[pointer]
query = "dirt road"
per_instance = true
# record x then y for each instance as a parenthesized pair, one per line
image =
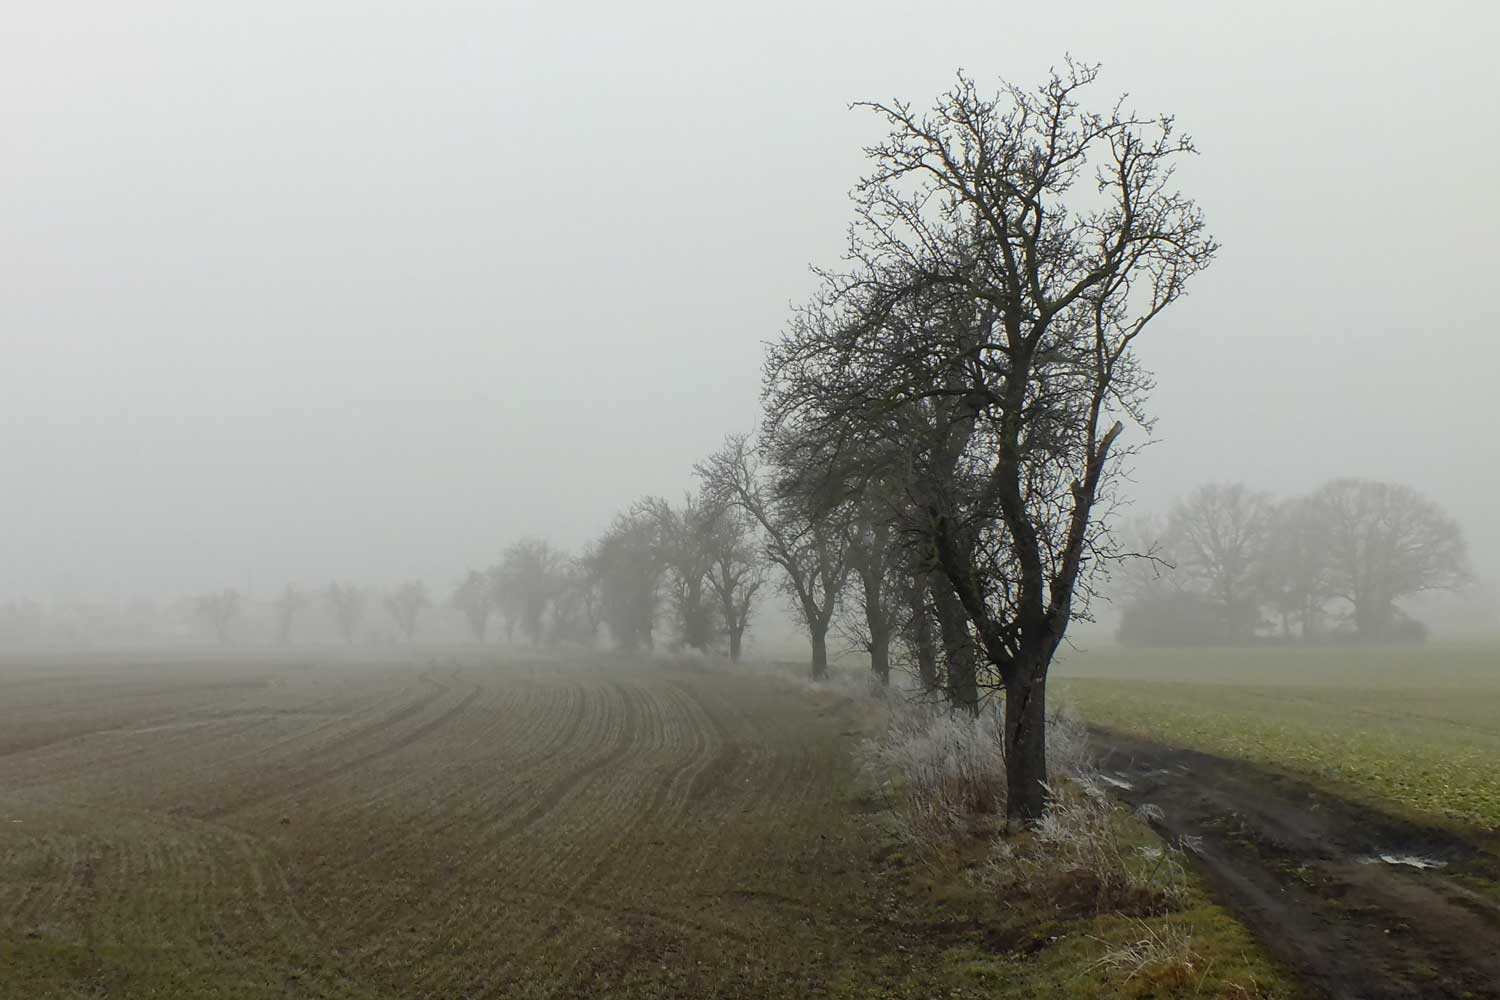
(1313, 876)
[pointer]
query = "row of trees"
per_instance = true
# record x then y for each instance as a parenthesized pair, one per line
(695, 566)
(345, 602)
(1230, 563)
(1227, 563)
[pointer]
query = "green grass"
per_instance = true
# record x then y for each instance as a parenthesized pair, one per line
(1415, 728)
(1223, 961)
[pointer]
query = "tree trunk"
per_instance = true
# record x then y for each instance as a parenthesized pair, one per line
(735, 633)
(695, 618)
(819, 636)
(923, 647)
(879, 628)
(960, 660)
(880, 656)
(1026, 746)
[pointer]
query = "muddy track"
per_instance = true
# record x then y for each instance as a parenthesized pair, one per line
(1303, 869)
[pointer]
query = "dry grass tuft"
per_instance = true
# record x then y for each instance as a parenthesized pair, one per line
(945, 770)
(1085, 857)
(1162, 959)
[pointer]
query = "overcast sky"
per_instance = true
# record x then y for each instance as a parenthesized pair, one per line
(295, 290)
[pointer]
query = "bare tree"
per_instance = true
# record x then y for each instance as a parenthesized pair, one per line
(873, 562)
(1050, 288)
(1220, 535)
(808, 543)
(1298, 584)
(505, 600)
(837, 376)
(219, 608)
(524, 582)
(348, 602)
(405, 604)
(288, 606)
(476, 599)
(1387, 541)
(630, 562)
(685, 537)
(577, 609)
(1159, 604)
(917, 630)
(736, 573)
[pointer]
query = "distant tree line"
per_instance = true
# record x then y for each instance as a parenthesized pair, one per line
(1232, 564)
(682, 576)
(344, 602)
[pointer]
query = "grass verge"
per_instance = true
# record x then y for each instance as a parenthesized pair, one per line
(1090, 904)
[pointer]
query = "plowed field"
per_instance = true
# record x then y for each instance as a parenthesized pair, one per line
(442, 827)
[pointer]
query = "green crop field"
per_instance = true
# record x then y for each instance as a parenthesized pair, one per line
(1410, 728)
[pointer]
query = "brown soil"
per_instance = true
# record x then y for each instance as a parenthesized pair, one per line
(456, 827)
(1295, 864)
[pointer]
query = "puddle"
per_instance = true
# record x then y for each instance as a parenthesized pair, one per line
(1409, 860)
(1151, 812)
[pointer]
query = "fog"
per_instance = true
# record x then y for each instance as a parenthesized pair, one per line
(296, 291)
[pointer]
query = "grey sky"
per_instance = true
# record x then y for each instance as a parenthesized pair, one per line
(302, 289)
